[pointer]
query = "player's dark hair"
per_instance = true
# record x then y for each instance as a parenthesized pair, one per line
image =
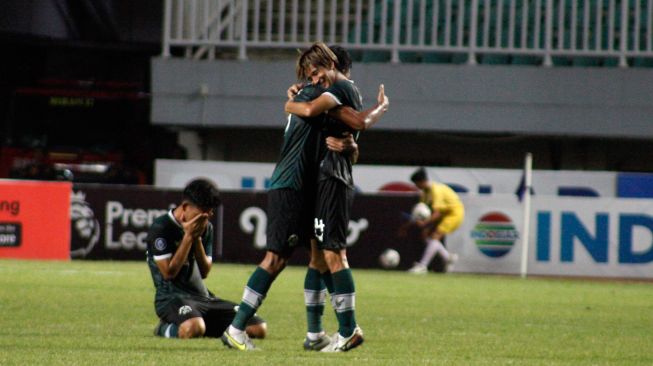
(202, 193)
(344, 59)
(419, 175)
(318, 55)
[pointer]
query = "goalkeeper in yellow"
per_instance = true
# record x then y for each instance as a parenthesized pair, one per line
(447, 213)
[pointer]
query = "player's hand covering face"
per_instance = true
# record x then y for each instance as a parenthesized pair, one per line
(195, 221)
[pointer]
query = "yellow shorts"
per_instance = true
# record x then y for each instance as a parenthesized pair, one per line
(450, 221)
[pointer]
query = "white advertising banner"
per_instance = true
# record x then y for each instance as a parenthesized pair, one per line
(489, 240)
(606, 237)
(594, 237)
(380, 178)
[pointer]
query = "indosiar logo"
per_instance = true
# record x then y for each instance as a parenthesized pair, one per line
(495, 234)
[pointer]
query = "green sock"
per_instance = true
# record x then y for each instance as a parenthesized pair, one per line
(168, 330)
(314, 297)
(345, 301)
(257, 288)
(327, 279)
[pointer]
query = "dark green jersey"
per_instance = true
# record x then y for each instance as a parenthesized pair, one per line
(163, 238)
(333, 164)
(298, 158)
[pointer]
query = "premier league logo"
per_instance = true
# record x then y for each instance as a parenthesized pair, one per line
(85, 227)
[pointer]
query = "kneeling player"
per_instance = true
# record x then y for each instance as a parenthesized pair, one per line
(177, 247)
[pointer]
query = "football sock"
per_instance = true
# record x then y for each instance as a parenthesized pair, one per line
(433, 247)
(168, 330)
(345, 301)
(314, 336)
(314, 298)
(328, 282)
(257, 287)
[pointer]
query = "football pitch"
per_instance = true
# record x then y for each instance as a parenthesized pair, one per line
(101, 313)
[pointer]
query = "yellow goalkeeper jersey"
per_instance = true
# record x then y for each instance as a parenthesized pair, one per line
(442, 198)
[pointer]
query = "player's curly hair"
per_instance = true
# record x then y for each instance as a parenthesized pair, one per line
(318, 55)
(202, 193)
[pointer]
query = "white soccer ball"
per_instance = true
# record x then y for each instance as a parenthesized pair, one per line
(421, 211)
(389, 258)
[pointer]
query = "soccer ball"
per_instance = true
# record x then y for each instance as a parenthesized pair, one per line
(420, 212)
(389, 258)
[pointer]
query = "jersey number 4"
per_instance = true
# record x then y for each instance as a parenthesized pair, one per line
(319, 229)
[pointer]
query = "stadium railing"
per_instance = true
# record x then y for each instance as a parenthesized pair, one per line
(547, 32)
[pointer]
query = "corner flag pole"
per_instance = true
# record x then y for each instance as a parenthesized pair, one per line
(528, 175)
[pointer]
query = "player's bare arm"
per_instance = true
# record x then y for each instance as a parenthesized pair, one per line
(313, 108)
(352, 118)
(193, 228)
(203, 260)
(363, 120)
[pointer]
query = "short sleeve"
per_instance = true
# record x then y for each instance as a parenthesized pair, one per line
(161, 245)
(340, 92)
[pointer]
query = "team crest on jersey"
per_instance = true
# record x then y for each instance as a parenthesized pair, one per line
(185, 310)
(160, 244)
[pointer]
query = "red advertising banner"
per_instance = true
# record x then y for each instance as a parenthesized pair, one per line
(35, 219)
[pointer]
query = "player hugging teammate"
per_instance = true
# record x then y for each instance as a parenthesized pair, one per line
(332, 203)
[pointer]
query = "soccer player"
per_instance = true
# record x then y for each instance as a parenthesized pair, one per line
(179, 247)
(335, 182)
(318, 277)
(291, 202)
(447, 213)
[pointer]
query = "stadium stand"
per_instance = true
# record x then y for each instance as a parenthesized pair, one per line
(530, 32)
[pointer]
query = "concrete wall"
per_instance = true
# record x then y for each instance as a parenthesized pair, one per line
(591, 102)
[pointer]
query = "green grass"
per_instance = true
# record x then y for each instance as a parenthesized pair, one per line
(100, 313)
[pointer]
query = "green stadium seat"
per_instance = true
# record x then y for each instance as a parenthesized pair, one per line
(643, 62)
(437, 58)
(494, 59)
(375, 56)
(413, 36)
(526, 60)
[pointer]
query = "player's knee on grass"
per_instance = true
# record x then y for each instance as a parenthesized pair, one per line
(192, 328)
(273, 263)
(257, 330)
